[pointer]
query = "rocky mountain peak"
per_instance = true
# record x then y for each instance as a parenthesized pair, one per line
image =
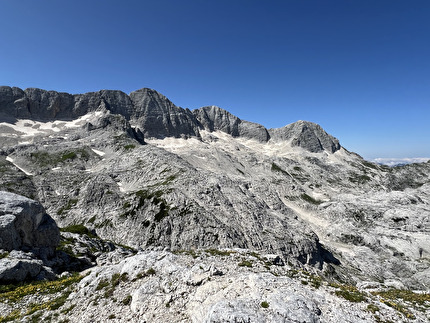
(155, 115)
(307, 135)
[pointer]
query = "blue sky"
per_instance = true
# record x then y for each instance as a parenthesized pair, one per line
(359, 68)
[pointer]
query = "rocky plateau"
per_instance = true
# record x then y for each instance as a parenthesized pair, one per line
(126, 208)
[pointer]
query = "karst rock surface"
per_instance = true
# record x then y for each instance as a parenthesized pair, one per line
(141, 172)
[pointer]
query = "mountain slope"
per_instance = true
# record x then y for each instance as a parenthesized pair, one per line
(145, 173)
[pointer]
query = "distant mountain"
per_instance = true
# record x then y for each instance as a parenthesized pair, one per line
(201, 216)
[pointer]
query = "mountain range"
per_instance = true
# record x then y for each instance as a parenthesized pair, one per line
(201, 216)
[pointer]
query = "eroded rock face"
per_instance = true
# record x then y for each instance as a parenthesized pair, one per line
(25, 225)
(155, 115)
(307, 135)
(213, 118)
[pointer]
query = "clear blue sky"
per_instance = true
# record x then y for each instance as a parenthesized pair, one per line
(359, 68)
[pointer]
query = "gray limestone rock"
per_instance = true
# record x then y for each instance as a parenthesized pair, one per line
(158, 117)
(12, 103)
(213, 118)
(307, 135)
(25, 225)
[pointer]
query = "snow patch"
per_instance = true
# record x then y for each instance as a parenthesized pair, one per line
(9, 159)
(30, 128)
(98, 152)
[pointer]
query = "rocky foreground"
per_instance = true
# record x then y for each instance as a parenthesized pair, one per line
(119, 207)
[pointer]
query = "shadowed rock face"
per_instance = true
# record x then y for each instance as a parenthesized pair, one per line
(159, 117)
(155, 115)
(25, 225)
(213, 118)
(307, 135)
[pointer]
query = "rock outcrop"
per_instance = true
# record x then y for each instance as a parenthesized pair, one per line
(307, 135)
(28, 236)
(230, 221)
(24, 225)
(155, 116)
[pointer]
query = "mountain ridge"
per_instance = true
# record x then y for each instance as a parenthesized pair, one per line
(156, 116)
(205, 215)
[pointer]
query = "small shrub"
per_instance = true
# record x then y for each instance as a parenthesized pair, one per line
(350, 293)
(111, 317)
(127, 300)
(129, 147)
(276, 168)
(102, 284)
(245, 263)
(372, 308)
(71, 203)
(150, 272)
(216, 252)
(79, 229)
(264, 304)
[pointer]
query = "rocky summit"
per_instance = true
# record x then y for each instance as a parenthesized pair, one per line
(124, 207)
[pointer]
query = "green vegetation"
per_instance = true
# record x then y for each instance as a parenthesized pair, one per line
(109, 286)
(369, 164)
(79, 229)
(216, 252)
(189, 252)
(71, 203)
(422, 299)
(372, 308)
(16, 292)
(105, 223)
(245, 263)
(150, 272)
(359, 179)
(276, 168)
(44, 158)
(310, 199)
(129, 147)
(394, 297)
(127, 300)
(264, 304)
(4, 255)
(349, 292)
(141, 197)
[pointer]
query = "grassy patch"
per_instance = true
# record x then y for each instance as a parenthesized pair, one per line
(245, 263)
(349, 292)
(129, 147)
(4, 255)
(143, 196)
(79, 229)
(150, 272)
(372, 308)
(16, 292)
(71, 203)
(276, 168)
(216, 252)
(44, 159)
(190, 252)
(394, 298)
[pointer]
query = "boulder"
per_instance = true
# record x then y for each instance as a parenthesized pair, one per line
(25, 225)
